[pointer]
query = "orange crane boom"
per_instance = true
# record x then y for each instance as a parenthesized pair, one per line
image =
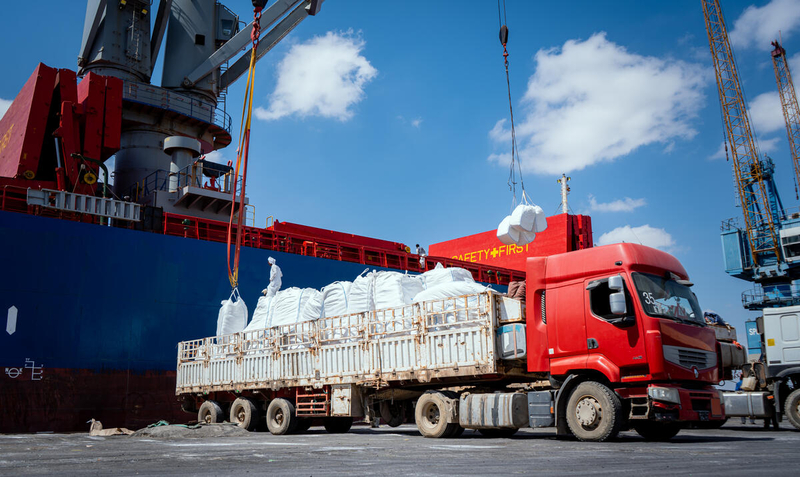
(791, 112)
(760, 224)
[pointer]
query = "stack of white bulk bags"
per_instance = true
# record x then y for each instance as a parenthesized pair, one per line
(232, 316)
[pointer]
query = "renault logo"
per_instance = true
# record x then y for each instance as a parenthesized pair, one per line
(696, 373)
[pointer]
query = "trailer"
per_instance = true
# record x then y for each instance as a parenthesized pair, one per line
(770, 386)
(480, 361)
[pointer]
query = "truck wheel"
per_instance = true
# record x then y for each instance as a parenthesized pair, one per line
(338, 425)
(594, 412)
(792, 408)
(393, 413)
(498, 432)
(280, 417)
(303, 424)
(430, 416)
(657, 431)
(244, 413)
(210, 412)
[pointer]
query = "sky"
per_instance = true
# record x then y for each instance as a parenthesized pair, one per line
(391, 119)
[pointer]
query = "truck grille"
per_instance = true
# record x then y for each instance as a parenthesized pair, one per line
(690, 357)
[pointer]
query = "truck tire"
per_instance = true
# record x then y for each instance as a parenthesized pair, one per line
(430, 418)
(498, 432)
(210, 412)
(791, 408)
(657, 431)
(393, 413)
(338, 425)
(594, 412)
(244, 413)
(280, 417)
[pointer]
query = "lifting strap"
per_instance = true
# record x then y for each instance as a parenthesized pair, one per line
(242, 155)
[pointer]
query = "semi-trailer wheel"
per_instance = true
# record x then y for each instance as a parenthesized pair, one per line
(498, 432)
(430, 416)
(244, 413)
(210, 412)
(280, 416)
(657, 431)
(792, 408)
(594, 412)
(393, 413)
(338, 425)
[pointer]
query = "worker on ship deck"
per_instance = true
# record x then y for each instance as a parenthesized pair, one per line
(275, 275)
(422, 254)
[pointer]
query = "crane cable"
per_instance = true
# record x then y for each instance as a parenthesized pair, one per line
(512, 183)
(242, 155)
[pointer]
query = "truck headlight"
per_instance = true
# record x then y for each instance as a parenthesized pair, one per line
(664, 394)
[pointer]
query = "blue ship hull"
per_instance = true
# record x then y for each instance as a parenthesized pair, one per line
(100, 310)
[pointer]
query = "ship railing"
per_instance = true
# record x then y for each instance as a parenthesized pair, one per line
(179, 103)
(192, 175)
(300, 244)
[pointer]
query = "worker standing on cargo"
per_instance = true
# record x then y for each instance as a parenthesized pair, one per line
(422, 254)
(275, 275)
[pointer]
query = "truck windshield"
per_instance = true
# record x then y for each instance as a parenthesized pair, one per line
(666, 298)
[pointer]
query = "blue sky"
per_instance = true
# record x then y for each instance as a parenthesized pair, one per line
(403, 132)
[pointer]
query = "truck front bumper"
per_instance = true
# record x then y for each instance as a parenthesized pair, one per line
(674, 403)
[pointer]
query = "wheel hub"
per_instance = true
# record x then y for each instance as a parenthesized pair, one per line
(587, 411)
(433, 415)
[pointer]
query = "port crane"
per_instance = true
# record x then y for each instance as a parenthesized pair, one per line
(762, 251)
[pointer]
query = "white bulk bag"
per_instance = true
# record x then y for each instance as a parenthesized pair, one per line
(360, 299)
(523, 218)
(505, 233)
(261, 314)
(394, 289)
(440, 275)
(232, 316)
(335, 299)
(288, 305)
(441, 299)
(312, 310)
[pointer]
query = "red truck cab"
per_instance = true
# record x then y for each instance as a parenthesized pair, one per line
(654, 352)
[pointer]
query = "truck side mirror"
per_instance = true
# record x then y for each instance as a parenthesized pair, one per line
(616, 300)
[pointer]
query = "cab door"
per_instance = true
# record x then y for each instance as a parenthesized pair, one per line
(566, 328)
(613, 341)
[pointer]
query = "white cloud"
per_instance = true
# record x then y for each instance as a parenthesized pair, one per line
(593, 101)
(620, 205)
(324, 76)
(216, 156)
(766, 113)
(645, 235)
(4, 105)
(759, 26)
(416, 122)
(720, 154)
(768, 145)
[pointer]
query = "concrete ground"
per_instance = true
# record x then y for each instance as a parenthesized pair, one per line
(733, 450)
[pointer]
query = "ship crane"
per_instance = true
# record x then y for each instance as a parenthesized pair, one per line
(756, 253)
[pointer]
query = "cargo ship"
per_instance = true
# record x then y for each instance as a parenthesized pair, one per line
(101, 282)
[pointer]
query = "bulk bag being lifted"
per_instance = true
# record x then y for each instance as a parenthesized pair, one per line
(232, 316)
